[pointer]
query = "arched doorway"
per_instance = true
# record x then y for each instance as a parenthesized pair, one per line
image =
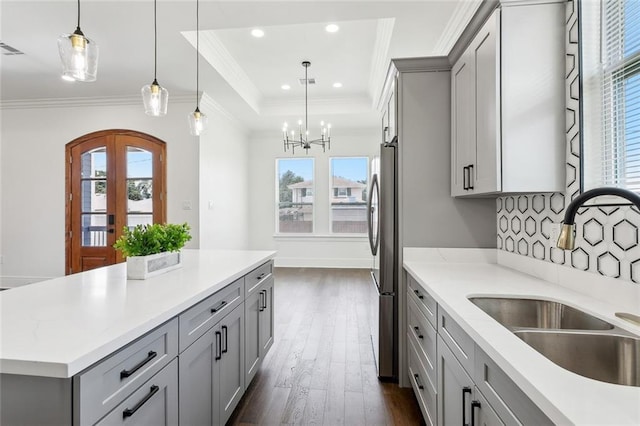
(114, 178)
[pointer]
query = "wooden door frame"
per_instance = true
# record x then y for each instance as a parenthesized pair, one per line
(160, 196)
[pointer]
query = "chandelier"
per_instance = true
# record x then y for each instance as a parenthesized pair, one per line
(303, 141)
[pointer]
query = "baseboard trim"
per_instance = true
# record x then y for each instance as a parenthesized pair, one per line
(296, 262)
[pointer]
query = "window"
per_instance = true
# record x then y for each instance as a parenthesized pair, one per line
(349, 187)
(295, 195)
(611, 93)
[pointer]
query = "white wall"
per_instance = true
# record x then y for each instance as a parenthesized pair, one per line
(32, 176)
(224, 180)
(321, 250)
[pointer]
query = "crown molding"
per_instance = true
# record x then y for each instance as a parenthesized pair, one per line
(461, 16)
(209, 107)
(379, 61)
(319, 106)
(85, 102)
(483, 12)
(216, 54)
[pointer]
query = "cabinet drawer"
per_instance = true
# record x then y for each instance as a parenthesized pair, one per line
(256, 277)
(424, 337)
(154, 403)
(462, 346)
(195, 321)
(427, 304)
(424, 390)
(506, 398)
(102, 387)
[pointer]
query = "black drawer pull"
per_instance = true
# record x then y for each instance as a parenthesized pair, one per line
(224, 348)
(465, 390)
(417, 331)
(217, 308)
(131, 411)
(261, 276)
(418, 294)
(126, 373)
(418, 381)
(474, 405)
(218, 345)
(470, 168)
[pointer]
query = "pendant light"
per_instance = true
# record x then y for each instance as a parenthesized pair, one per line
(79, 55)
(154, 96)
(197, 120)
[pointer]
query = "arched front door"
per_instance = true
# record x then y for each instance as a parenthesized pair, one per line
(114, 178)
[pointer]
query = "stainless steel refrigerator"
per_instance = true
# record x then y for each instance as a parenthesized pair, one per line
(383, 240)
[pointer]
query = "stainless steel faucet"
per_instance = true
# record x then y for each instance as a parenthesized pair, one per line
(566, 241)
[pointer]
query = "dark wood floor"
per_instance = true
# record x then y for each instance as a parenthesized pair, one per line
(320, 369)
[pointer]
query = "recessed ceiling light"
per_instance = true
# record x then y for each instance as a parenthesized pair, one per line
(257, 32)
(337, 85)
(285, 87)
(332, 28)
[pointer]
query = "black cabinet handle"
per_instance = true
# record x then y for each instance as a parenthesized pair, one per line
(126, 373)
(265, 299)
(261, 303)
(224, 332)
(465, 390)
(418, 294)
(217, 308)
(218, 345)
(417, 331)
(131, 411)
(417, 377)
(464, 178)
(470, 171)
(261, 276)
(474, 405)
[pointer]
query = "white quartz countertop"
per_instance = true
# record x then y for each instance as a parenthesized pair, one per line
(59, 327)
(565, 397)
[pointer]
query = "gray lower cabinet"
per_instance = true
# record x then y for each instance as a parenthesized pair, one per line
(212, 373)
(469, 387)
(258, 326)
(154, 403)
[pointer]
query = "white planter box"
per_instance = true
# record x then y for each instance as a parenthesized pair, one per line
(143, 267)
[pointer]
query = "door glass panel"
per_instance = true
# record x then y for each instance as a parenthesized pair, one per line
(139, 163)
(94, 163)
(139, 219)
(94, 230)
(93, 195)
(140, 195)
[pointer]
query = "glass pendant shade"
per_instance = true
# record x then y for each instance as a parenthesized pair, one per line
(79, 56)
(156, 99)
(197, 122)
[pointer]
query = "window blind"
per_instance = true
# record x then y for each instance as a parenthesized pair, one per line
(619, 155)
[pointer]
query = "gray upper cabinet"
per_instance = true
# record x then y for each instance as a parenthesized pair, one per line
(507, 93)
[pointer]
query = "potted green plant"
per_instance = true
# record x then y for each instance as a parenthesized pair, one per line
(152, 249)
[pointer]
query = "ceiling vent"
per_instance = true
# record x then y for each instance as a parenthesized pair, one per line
(8, 50)
(311, 81)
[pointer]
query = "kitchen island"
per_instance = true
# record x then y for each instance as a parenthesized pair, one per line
(56, 333)
(557, 395)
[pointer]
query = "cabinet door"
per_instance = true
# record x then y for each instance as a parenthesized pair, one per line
(154, 403)
(198, 382)
(462, 124)
(483, 414)
(485, 173)
(455, 389)
(392, 113)
(252, 346)
(230, 366)
(266, 318)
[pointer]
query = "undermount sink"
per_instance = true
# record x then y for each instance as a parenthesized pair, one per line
(606, 357)
(515, 313)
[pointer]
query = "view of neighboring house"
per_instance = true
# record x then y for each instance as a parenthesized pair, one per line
(301, 192)
(347, 191)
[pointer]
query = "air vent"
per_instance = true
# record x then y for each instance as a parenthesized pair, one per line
(311, 81)
(8, 50)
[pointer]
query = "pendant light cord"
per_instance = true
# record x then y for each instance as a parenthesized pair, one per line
(155, 41)
(78, 26)
(197, 54)
(306, 105)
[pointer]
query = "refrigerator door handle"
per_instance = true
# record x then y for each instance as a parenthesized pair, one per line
(373, 244)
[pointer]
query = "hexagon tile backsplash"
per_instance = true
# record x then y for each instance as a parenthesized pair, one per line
(606, 237)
